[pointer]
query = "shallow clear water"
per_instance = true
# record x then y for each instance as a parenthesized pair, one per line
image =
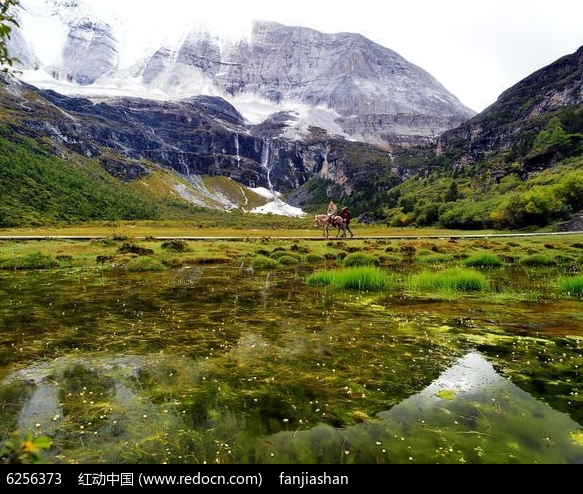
(222, 365)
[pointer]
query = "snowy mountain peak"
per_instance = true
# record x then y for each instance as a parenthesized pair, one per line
(343, 83)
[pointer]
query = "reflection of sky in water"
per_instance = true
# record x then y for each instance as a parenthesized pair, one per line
(472, 382)
(470, 373)
(43, 411)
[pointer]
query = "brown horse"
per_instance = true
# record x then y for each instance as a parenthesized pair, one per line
(325, 221)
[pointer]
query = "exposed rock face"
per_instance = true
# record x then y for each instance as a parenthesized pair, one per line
(355, 77)
(200, 136)
(90, 52)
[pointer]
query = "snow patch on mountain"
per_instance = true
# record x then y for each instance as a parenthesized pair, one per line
(276, 205)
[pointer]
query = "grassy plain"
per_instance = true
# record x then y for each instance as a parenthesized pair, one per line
(247, 244)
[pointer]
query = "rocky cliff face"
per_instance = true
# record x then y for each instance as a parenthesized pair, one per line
(199, 136)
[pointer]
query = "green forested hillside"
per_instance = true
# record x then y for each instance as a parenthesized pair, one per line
(38, 188)
(469, 203)
(536, 182)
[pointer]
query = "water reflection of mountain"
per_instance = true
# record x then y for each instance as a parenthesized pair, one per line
(470, 414)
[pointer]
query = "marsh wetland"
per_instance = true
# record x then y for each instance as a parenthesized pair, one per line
(262, 350)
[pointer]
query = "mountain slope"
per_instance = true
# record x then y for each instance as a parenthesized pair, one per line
(518, 164)
(520, 113)
(328, 122)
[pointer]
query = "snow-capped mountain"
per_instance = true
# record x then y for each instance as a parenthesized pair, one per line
(343, 83)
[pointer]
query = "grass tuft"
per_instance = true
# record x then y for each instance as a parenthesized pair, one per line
(571, 285)
(33, 260)
(364, 278)
(483, 260)
(534, 260)
(143, 264)
(451, 280)
(357, 259)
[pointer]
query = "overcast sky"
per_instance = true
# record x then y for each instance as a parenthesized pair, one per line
(476, 49)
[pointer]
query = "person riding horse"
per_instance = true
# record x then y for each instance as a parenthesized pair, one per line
(332, 210)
